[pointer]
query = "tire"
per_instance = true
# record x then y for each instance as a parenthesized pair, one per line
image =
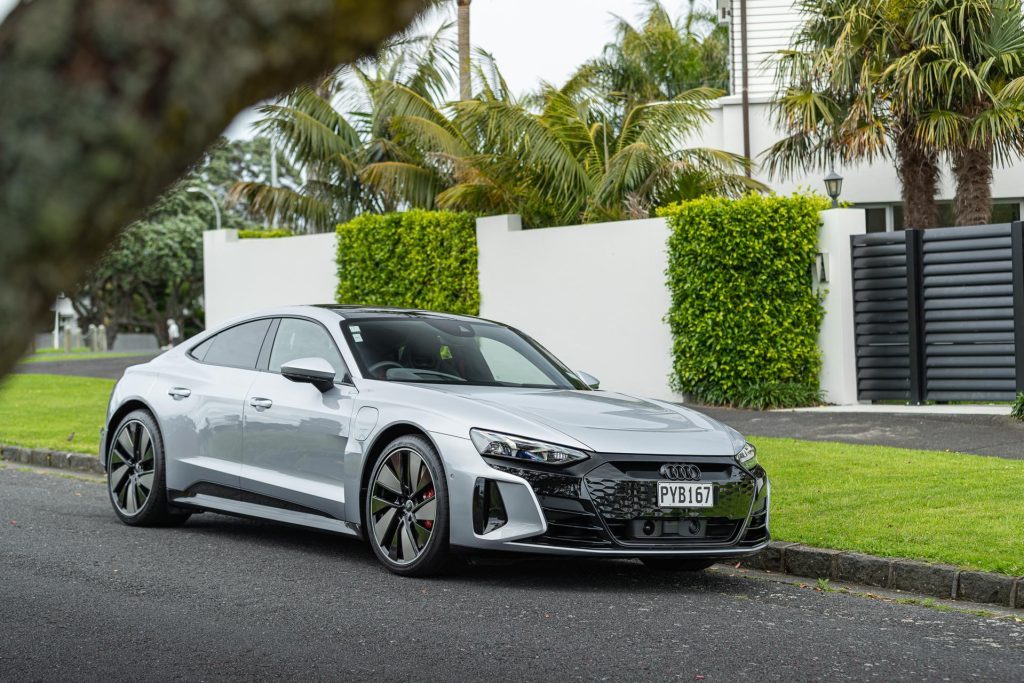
(406, 516)
(136, 475)
(676, 564)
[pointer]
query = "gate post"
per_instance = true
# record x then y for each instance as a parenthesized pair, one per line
(1017, 265)
(915, 313)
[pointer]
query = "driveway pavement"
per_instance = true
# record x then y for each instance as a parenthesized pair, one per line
(979, 434)
(106, 368)
(83, 597)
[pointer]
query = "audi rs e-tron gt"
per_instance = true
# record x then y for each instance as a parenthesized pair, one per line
(425, 433)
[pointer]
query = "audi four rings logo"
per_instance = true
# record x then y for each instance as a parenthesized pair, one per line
(681, 472)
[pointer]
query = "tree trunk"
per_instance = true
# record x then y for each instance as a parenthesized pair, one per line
(918, 171)
(104, 103)
(972, 169)
(465, 84)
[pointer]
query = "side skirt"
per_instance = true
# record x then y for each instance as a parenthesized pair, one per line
(241, 508)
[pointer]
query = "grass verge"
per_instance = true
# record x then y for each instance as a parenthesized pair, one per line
(53, 411)
(965, 510)
(52, 356)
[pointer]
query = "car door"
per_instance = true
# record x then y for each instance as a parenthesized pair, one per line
(295, 434)
(202, 410)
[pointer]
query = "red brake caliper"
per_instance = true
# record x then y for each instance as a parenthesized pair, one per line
(428, 523)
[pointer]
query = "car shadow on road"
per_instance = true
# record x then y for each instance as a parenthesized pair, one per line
(506, 570)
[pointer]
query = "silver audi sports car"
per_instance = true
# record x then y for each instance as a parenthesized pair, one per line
(425, 434)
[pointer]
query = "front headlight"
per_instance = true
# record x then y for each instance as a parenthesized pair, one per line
(747, 455)
(495, 445)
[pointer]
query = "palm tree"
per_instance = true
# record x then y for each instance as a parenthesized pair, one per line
(658, 59)
(570, 162)
(835, 103)
(339, 134)
(962, 85)
(465, 85)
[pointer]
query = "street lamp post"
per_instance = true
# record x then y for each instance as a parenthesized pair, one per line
(834, 186)
(213, 200)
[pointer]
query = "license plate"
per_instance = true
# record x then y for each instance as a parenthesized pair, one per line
(679, 495)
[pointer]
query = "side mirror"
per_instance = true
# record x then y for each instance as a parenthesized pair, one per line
(315, 371)
(589, 380)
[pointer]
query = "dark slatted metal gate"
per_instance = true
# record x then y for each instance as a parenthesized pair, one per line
(935, 313)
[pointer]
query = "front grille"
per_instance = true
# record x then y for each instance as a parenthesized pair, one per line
(614, 505)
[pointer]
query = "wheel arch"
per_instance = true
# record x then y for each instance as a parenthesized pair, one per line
(379, 443)
(124, 409)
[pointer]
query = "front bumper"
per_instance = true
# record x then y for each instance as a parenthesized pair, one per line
(606, 506)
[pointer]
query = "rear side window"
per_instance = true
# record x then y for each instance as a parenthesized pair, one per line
(235, 347)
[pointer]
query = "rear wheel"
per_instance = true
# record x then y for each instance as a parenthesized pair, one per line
(676, 564)
(135, 474)
(406, 509)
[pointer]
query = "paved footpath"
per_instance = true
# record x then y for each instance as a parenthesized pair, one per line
(84, 597)
(979, 434)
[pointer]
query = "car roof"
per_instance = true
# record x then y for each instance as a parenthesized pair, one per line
(357, 312)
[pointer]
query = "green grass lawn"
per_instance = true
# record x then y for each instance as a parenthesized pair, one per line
(53, 355)
(42, 411)
(966, 510)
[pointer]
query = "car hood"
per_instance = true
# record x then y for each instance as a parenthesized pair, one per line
(610, 422)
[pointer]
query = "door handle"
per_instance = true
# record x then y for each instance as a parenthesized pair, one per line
(260, 403)
(179, 392)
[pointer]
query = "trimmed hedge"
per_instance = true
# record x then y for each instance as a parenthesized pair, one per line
(267, 233)
(413, 259)
(744, 314)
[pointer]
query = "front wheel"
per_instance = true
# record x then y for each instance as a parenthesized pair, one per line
(406, 509)
(676, 564)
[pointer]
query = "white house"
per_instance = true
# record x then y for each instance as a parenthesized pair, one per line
(770, 26)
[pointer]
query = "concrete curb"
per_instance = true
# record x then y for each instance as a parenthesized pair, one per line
(77, 462)
(939, 580)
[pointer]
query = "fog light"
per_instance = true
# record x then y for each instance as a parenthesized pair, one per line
(488, 507)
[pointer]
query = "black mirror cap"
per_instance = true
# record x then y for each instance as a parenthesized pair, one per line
(315, 371)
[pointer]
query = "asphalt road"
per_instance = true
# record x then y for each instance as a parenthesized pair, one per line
(83, 597)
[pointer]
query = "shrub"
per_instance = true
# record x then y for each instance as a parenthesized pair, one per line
(744, 314)
(1017, 412)
(267, 233)
(414, 259)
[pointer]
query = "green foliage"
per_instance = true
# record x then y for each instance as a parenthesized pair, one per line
(256, 233)
(658, 59)
(414, 259)
(381, 139)
(1017, 412)
(744, 315)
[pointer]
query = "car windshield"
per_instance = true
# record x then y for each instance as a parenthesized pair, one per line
(447, 351)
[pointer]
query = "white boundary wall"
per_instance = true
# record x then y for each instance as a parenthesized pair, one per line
(594, 295)
(243, 276)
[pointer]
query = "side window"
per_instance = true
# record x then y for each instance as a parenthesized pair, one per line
(236, 347)
(298, 338)
(199, 352)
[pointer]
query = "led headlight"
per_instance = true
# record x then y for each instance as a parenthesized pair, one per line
(747, 455)
(495, 445)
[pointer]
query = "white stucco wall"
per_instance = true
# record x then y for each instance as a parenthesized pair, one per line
(837, 337)
(243, 276)
(593, 295)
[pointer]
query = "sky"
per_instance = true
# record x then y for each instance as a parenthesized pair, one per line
(532, 40)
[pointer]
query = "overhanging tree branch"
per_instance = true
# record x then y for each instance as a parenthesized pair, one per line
(104, 103)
